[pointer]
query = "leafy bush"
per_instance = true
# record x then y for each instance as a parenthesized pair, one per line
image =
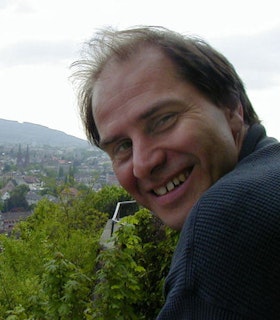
(131, 274)
(58, 241)
(53, 266)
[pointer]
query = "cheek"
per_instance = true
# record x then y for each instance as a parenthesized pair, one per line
(219, 156)
(125, 177)
(212, 146)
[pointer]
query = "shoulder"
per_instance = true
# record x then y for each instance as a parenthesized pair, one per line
(244, 204)
(229, 246)
(254, 178)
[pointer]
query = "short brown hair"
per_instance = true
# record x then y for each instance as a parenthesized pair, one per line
(195, 60)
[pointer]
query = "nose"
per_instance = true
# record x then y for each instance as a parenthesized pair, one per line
(148, 159)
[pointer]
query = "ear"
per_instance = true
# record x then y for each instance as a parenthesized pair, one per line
(236, 121)
(235, 117)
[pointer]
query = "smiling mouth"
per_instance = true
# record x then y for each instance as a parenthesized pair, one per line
(171, 185)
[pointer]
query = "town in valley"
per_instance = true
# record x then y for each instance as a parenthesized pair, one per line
(29, 173)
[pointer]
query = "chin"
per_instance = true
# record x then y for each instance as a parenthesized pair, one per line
(175, 225)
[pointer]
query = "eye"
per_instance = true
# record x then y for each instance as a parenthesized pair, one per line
(164, 122)
(122, 149)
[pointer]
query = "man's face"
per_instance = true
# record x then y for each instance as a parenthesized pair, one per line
(167, 142)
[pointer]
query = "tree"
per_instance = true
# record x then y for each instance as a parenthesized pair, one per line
(53, 266)
(67, 289)
(60, 175)
(107, 198)
(131, 275)
(8, 167)
(17, 199)
(58, 241)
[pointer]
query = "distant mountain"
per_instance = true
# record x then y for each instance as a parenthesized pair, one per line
(13, 132)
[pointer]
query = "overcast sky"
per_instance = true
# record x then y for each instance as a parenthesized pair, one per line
(39, 39)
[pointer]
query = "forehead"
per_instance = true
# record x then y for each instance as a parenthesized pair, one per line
(142, 59)
(124, 78)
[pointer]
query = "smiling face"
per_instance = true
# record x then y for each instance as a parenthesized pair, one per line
(167, 142)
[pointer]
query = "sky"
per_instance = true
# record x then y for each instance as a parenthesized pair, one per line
(39, 39)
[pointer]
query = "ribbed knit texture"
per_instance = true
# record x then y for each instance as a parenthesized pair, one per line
(227, 262)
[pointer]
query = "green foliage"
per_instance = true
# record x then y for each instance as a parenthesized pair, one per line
(131, 274)
(17, 199)
(107, 198)
(38, 283)
(18, 273)
(67, 289)
(53, 267)
(50, 182)
(8, 167)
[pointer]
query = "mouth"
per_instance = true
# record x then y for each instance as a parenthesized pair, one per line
(172, 184)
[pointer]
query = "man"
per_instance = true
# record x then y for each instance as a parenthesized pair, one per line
(185, 142)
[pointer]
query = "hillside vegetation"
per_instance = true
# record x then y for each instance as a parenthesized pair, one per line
(53, 266)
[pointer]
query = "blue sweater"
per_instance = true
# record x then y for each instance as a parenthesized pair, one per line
(227, 262)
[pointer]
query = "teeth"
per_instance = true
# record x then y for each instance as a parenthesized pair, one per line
(176, 181)
(182, 178)
(170, 185)
(161, 191)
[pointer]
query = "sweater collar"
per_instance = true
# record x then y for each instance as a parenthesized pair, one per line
(254, 135)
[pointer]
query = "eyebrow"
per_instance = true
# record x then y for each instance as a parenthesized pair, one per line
(154, 108)
(103, 144)
(158, 106)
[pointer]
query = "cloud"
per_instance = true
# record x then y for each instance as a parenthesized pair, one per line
(17, 6)
(256, 57)
(4, 4)
(37, 52)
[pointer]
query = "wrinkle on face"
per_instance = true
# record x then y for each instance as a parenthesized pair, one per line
(163, 127)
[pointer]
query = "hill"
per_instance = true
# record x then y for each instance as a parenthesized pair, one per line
(13, 132)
